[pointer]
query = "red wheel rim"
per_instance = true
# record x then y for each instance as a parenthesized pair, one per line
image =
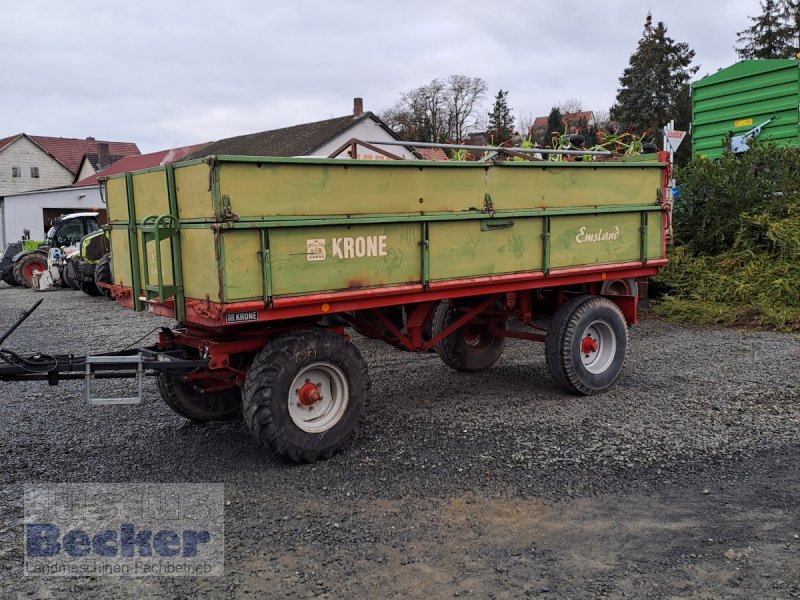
(34, 265)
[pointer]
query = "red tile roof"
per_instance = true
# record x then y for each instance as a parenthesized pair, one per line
(585, 115)
(7, 140)
(432, 153)
(70, 151)
(540, 121)
(142, 161)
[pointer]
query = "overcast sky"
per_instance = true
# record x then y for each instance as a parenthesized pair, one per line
(166, 74)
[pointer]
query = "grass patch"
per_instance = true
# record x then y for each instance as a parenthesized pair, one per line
(720, 314)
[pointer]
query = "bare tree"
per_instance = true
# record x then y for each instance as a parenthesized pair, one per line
(571, 105)
(525, 124)
(465, 96)
(439, 111)
(602, 118)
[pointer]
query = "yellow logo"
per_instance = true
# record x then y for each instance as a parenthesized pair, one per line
(743, 122)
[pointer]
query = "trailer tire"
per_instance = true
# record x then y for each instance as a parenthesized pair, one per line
(465, 349)
(194, 403)
(311, 370)
(585, 345)
(620, 287)
(102, 274)
(24, 267)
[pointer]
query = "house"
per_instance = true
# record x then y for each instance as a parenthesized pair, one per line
(142, 161)
(320, 138)
(35, 162)
(34, 210)
(577, 121)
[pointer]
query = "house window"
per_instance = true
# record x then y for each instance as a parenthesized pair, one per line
(35, 172)
(16, 172)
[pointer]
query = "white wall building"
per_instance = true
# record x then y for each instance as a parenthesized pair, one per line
(35, 210)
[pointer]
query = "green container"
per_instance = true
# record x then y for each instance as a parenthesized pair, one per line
(734, 100)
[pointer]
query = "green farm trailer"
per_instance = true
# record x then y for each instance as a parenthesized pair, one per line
(753, 98)
(265, 262)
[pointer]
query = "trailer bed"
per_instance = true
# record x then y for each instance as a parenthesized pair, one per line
(233, 239)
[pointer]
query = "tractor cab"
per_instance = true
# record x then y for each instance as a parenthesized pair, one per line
(67, 231)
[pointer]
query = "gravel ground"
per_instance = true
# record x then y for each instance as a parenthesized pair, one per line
(682, 481)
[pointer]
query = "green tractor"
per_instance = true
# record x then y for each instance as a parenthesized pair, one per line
(22, 259)
(90, 264)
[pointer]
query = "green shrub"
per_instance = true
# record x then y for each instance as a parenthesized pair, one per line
(737, 231)
(735, 198)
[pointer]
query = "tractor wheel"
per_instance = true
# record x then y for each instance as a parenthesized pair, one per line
(102, 274)
(88, 287)
(68, 274)
(585, 345)
(305, 394)
(193, 402)
(470, 348)
(8, 277)
(26, 265)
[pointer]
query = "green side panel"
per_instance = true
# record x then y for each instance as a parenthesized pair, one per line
(325, 189)
(597, 239)
(200, 271)
(654, 236)
(741, 97)
(243, 277)
(465, 249)
(316, 259)
(117, 200)
(268, 190)
(193, 192)
(152, 264)
(150, 193)
(121, 256)
(519, 186)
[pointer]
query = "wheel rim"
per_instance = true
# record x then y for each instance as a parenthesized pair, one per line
(477, 336)
(598, 347)
(34, 265)
(318, 397)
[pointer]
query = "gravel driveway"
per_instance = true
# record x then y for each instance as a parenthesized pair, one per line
(682, 481)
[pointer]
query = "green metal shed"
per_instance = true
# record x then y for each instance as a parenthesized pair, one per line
(737, 99)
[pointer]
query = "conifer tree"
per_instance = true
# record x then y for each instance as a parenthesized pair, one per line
(501, 123)
(653, 86)
(774, 33)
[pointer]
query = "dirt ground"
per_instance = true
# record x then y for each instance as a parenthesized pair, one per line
(682, 482)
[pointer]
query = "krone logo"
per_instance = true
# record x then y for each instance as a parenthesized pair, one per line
(315, 249)
(347, 247)
(601, 235)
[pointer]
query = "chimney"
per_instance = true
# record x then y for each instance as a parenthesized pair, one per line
(103, 159)
(90, 139)
(358, 107)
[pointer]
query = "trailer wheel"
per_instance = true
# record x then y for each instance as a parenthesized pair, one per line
(470, 348)
(102, 274)
(193, 402)
(585, 345)
(620, 287)
(305, 394)
(27, 264)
